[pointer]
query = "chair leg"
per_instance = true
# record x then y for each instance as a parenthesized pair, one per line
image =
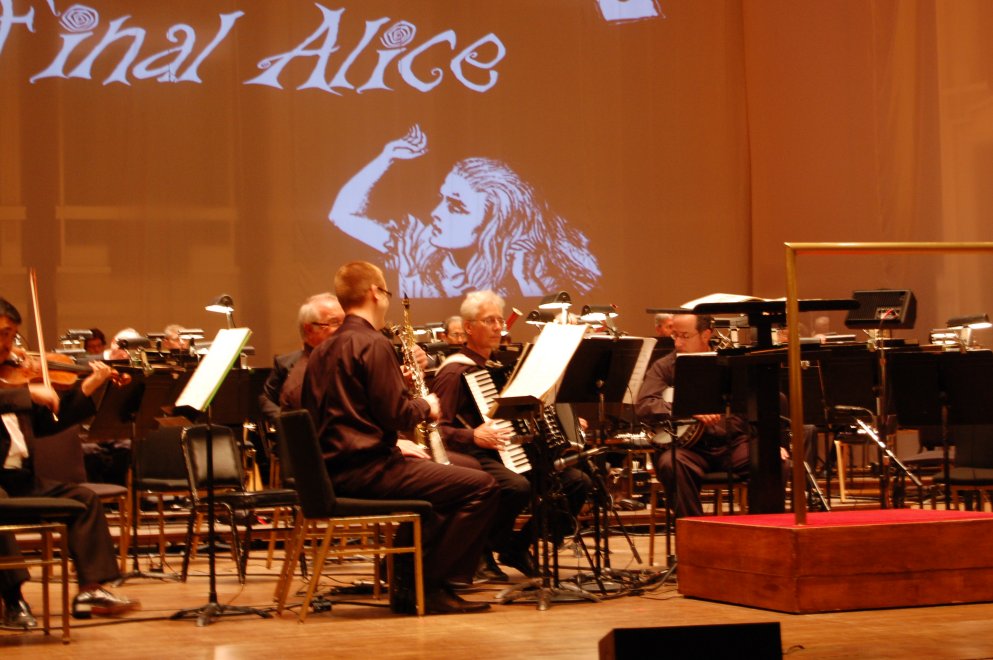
(652, 503)
(418, 567)
(190, 548)
(840, 455)
(322, 554)
(124, 509)
(294, 546)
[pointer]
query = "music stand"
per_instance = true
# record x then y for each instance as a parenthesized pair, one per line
(600, 371)
(118, 417)
(943, 389)
(192, 403)
(545, 589)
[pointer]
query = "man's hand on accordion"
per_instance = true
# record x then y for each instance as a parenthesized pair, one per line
(488, 436)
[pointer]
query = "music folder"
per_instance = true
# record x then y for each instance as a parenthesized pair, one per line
(224, 352)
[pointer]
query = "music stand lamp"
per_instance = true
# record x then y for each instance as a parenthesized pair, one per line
(222, 304)
(558, 302)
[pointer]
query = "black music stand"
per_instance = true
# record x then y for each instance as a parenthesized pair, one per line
(946, 389)
(118, 417)
(700, 387)
(545, 589)
(814, 414)
(193, 402)
(851, 385)
(599, 372)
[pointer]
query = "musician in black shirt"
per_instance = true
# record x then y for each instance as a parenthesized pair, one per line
(464, 430)
(723, 443)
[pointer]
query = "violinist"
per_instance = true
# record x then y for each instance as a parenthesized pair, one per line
(27, 412)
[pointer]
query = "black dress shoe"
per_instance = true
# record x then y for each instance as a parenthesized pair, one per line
(488, 571)
(444, 601)
(101, 602)
(18, 617)
(522, 561)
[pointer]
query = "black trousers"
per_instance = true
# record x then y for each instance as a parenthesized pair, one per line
(90, 543)
(464, 500)
(682, 481)
(515, 495)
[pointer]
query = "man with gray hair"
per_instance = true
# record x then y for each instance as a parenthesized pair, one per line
(317, 319)
(465, 430)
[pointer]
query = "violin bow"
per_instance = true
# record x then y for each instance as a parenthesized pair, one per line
(33, 276)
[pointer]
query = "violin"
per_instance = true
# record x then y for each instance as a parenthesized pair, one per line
(63, 372)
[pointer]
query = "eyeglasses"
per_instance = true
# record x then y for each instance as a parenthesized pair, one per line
(492, 320)
(389, 294)
(684, 335)
(334, 323)
(457, 335)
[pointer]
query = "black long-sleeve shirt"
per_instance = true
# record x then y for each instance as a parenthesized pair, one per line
(355, 392)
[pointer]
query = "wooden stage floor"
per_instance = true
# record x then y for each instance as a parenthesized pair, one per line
(566, 630)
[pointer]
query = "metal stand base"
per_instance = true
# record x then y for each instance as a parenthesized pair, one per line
(208, 613)
(534, 591)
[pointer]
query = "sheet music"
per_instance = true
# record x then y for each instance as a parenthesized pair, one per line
(640, 367)
(206, 380)
(546, 362)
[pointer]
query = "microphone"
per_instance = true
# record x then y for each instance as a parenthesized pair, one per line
(560, 464)
(853, 409)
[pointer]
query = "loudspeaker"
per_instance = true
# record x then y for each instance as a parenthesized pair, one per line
(732, 640)
(883, 309)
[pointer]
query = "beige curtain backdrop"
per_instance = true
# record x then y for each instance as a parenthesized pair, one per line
(687, 146)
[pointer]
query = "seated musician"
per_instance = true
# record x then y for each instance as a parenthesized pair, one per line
(454, 332)
(319, 317)
(96, 343)
(355, 392)
(723, 445)
(464, 430)
(27, 413)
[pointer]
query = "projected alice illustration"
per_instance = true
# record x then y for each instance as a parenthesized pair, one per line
(488, 231)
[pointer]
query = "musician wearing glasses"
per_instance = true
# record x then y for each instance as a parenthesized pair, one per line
(723, 440)
(465, 430)
(317, 319)
(355, 392)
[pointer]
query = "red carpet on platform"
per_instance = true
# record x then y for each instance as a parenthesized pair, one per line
(846, 560)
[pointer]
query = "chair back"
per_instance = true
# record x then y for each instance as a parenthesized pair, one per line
(285, 466)
(227, 466)
(973, 446)
(159, 464)
(59, 457)
(311, 480)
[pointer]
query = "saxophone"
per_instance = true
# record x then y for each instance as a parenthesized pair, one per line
(425, 433)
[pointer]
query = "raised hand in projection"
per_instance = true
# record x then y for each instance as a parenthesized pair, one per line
(488, 231)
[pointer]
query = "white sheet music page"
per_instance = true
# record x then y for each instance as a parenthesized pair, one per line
(546, 361)
(206, 380)
(640, 367)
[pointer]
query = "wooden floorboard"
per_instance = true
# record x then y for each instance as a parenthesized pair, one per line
(566, 630)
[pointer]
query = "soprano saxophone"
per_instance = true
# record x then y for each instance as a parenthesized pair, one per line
(425, 433)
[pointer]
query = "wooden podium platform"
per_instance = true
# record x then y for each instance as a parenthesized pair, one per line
(839, 561)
